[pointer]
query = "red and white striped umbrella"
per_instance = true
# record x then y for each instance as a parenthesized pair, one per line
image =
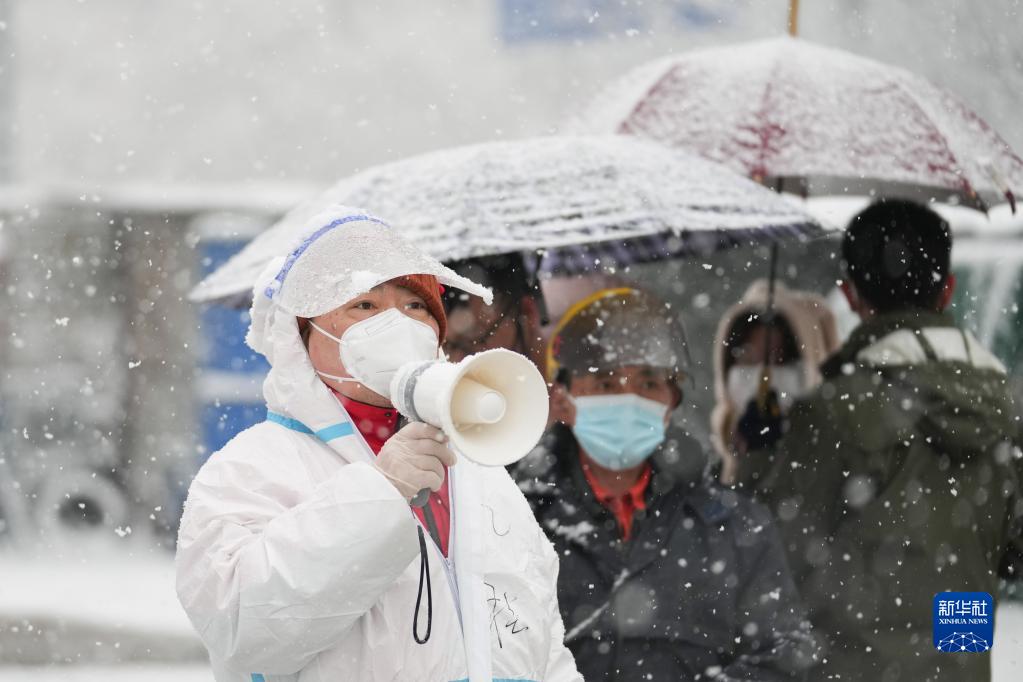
(786, 109)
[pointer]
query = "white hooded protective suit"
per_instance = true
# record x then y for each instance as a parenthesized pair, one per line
(297, 560)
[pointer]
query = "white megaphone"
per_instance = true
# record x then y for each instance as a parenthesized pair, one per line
(492, 405)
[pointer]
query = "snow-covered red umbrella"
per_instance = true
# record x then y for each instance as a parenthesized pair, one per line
(817, 120)
(576, 200)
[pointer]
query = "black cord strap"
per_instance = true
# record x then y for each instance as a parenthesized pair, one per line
(424, 569)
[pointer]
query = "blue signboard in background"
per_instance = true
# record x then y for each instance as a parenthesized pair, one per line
(231, 375)
(525, 21)
(540, 20)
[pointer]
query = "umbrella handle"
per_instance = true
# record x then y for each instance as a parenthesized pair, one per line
(769, 312)
(793, 18)
(764, 389)
(765, 378)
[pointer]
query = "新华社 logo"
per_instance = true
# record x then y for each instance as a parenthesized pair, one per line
(964, 622)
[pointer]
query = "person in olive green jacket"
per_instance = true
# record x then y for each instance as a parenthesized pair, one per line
(899, 477)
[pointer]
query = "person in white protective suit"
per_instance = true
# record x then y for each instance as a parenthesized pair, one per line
(299, 556)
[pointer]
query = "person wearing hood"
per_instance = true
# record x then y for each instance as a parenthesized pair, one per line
(797, 336)
(665, 576)
(299, 555)
(899, 477)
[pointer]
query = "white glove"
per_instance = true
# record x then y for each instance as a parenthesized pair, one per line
(414, 458)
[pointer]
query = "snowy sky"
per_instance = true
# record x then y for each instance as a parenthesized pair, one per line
(303, 92)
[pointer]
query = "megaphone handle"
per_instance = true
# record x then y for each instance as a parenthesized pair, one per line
(423, 496)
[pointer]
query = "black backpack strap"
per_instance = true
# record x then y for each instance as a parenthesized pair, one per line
(928, 349)
(966, 346)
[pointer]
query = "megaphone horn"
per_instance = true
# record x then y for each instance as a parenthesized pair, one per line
(492, 405)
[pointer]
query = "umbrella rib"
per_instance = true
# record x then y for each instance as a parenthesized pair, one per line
(765, 126)
(1006, 148)
(936, 133)
(623, 128)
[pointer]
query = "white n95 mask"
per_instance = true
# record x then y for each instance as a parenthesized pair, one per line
(372, 350)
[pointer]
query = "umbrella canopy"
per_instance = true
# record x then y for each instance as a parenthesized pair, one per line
(581, 198)
(788, 109)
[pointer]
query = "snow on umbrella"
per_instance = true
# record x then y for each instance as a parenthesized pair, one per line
(580, 199)
(785, 108)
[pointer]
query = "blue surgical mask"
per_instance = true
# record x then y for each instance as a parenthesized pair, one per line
(618, 431)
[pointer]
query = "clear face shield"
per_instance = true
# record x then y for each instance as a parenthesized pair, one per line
(346, 253)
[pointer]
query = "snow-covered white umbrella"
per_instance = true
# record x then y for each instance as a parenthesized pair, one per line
(578, 199)
(788, 110)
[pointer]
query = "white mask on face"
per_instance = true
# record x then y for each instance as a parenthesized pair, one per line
(744, 381)
(372, 350)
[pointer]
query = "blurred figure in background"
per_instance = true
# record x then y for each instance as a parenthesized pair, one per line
(802, 335)
(512, 322)
(664, 575)
(899, 477)
(515, 321)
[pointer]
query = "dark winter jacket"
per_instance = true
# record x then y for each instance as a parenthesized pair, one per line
(899, 478)
(700, 591)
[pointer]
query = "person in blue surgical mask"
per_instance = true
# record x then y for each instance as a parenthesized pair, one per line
(665, 575)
